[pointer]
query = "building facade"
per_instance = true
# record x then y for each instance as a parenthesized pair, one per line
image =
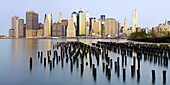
(81, 26)
(71, 30)
(74, 17)
(47, 25)
(11, 33)
(64, 24)
(57, 30)
(60, 17)
(20, 28)
(87, 23)
(31, 23)
(110, 27)
(134, 20)
(103, 18)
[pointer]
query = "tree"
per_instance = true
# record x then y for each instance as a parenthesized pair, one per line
(138, 35)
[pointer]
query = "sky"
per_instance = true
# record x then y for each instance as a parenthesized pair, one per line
(150, 12)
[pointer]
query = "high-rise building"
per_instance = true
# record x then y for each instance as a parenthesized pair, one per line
(119, 28)
(14, 26)
(134, 21)
(110, 26)
(71, 30)
(125, 24)
(91, 27)
(57, 30)
(102, 17)
(64, 24)
(31, 23)
(87, 23)
(21, 28)
(74, 17)
(47, 25)
(96, 26)
(126, 30)
(61, 17)
(81, 26)
(99, 21)
(17, 27)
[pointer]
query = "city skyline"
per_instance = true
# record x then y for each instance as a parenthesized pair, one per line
(114, 9)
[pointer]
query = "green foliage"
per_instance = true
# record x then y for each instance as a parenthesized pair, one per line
(138, 35)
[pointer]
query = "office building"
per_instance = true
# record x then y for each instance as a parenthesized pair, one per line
(91, 27)
(125, 25)
(14, 24)
(81, 19)
(64, 24)
(47, 25)
(57, 30)
(71, 30)
(87, 23)
(102, 17)
(110, 26)
(20, 28)
(134, 21)
(74, 17)
(31, 23)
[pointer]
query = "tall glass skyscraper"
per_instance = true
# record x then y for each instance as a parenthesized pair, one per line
(81, 28)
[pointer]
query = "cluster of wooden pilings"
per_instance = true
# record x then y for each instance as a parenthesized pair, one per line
(75, 54)
(151, 52)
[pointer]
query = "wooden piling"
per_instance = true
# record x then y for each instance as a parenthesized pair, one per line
(153, 76)
(124, 74)
(164, 76)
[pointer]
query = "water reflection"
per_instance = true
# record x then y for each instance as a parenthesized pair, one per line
(58, 64)
(31, 47)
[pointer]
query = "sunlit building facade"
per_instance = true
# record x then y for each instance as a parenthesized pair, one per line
(60, 17)
(110, 27)
(103, 18)
(71, 30)
(134, 20)
(87, 23)
(74, 17)
(47, 25)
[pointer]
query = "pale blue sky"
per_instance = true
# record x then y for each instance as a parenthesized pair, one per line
(150, 12)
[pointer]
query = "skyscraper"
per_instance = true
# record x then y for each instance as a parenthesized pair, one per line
(64, 24)
(99, 21)
(20, 28)
(17, 27)
(91, 27)
(56, 30)
(81, 26)
(74, 17)
(61, 17)
(110, 26)
(96, 26)
(134, 20)
(102, 17)
(47, 25)
(125, 24)
(14, 26)
(71, 30)
(87, 23)
(31, 22)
